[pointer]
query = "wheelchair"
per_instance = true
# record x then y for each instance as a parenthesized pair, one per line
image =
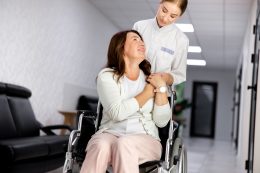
(174, 154)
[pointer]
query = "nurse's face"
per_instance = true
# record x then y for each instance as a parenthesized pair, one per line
(167, 13)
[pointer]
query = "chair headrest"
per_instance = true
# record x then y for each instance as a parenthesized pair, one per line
(14, 90)
(90, 99)
(87, 103)
(2, 88)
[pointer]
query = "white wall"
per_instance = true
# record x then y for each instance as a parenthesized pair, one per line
(225, 80)
(50, 46)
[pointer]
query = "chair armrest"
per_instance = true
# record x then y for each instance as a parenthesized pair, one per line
(48, 129)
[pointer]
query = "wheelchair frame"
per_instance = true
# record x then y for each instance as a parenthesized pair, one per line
(175, 152)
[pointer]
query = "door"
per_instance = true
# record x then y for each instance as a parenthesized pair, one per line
(203, 110)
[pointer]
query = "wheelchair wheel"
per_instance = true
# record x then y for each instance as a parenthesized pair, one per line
(71, 167)
(179, 157)
(76, 168)
(183, 160)
(174, 155)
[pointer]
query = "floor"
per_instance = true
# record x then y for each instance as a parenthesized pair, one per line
(210, 156)
(207, 156)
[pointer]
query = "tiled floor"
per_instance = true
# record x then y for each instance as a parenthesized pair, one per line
(210, 156)
(207, 156)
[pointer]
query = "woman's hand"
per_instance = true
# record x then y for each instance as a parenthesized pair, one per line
(149, 90)
(145, 95)
(156, 79)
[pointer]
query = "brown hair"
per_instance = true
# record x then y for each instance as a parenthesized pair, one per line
(115, 53)
(182, 4)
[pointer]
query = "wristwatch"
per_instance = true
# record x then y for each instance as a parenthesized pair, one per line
(162, 89)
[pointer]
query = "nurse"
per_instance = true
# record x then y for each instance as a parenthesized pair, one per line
(166, 44)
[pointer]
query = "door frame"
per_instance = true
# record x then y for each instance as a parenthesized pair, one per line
(255, 60)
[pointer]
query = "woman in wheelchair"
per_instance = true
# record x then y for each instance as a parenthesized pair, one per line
(133, 107)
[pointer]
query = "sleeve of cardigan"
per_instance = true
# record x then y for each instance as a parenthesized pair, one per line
(161, 114)
(115, 106)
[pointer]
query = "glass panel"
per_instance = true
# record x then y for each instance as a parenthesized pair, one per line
(203, 112)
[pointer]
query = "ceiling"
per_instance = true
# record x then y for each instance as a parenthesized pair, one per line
(219, 25)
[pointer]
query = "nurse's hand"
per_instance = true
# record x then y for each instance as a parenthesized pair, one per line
(167, 77)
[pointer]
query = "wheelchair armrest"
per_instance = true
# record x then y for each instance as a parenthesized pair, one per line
(48, 129)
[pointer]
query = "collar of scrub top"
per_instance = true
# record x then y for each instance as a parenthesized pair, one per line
(165, 28)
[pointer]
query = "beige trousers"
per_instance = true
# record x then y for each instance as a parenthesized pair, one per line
(124, 153)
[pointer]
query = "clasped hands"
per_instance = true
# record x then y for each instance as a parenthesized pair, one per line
(155, 80)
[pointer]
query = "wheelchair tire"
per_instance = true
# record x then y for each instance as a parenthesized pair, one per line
(174, 157)
(182, 167)
(178, 157)
(75, 167)
(184, 163)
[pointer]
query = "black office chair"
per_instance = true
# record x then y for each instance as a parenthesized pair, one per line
(173, 160)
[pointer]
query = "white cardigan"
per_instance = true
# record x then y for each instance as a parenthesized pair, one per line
(117, 108)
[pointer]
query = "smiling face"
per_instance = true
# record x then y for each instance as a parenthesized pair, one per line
(134, 49)
(168, 13)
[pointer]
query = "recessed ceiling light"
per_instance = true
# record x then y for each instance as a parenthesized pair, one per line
(194, 49)
(198, 62)
(185, 27)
